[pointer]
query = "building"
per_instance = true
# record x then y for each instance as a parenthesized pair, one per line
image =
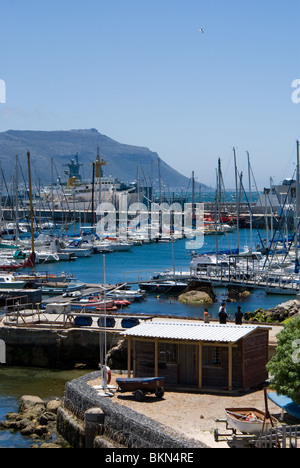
(199, 355)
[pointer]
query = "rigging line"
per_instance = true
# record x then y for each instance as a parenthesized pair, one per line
(280, 216)
(223, 185)
(257, 230)
(27, 191)
(64, 195)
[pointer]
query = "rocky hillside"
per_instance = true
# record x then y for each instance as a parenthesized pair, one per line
(123, 161)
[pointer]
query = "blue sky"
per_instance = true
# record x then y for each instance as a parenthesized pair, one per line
(141, 73)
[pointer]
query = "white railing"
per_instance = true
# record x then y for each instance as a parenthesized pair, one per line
(250, 278)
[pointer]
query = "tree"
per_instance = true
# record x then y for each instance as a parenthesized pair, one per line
(284, 367)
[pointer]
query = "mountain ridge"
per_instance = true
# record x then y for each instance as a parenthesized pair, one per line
(123, 161)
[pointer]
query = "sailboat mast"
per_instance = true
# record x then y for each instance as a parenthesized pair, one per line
(297, 212)
(237, 202)
(31, 205)
(17, 199)
(250, 201)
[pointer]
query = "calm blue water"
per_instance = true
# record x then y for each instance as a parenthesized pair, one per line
(141, 262)
(136, 265)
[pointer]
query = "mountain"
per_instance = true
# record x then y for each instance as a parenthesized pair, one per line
(123, 161)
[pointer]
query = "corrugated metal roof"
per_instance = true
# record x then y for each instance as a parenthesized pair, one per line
(228, 333)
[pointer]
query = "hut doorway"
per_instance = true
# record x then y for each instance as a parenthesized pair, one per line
(187, 365)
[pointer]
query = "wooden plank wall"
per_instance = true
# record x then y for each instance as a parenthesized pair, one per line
(255, 358)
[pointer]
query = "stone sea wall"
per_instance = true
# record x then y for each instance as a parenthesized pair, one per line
(53, 348)
(118, 426)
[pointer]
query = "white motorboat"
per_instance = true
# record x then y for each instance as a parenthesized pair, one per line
(10, 282)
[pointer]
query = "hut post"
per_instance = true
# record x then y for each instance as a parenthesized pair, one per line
(230, 366)
(129, 357)
(200, 365)
(156, 357)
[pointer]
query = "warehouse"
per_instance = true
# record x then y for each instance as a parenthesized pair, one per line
(199, 355)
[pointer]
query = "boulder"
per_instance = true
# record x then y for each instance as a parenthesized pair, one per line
(35, 418)
(46, 417)
(277, 314)
(200, 298)
(53, 405)
(29, 401)
(117, 356)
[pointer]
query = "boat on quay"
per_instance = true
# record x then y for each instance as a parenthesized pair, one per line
(94, 306)
(243, 422)
(130, 295)
(164, 287)
(57, 289)
(36, 279)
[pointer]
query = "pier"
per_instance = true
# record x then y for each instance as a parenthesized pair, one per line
(271, 282)
(75, 215)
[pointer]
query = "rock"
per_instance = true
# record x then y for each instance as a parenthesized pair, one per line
(53, 405)
(238, 292)
(200, 298)
(29, 429)
(195, 285)
(46, 417)
(117, 356)
(41, 430)
(244, 294)
(50, 445)
(35, 418)
(29, 401)
(276, 314)
(12, 416)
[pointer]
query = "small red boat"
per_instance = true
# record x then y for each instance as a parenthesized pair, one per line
(122, 303)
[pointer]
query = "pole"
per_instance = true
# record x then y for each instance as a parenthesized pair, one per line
(250, 201)
(297, 212)
(31, 205)
(237, 202)
(104, 284)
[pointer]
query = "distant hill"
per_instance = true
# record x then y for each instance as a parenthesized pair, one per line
(122, 160)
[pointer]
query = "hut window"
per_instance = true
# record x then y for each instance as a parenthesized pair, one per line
(211, 356)
(167, 352)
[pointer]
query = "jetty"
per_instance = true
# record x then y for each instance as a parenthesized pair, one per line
(272, 283)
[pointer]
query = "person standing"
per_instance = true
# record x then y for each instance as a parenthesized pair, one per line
(238, 316)
(223, 314)
(206, 316)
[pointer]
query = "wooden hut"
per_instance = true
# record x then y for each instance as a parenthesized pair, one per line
(199, 355)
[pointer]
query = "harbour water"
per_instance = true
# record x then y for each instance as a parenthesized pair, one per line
(138, 264)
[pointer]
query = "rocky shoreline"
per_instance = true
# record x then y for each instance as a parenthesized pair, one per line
(278, 314)
(36, 418)
(203, 295)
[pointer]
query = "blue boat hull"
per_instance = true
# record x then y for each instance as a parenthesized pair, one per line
(286, 403)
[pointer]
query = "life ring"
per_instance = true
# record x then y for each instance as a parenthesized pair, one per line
(106, 374)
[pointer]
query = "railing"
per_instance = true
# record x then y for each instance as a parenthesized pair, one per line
(248, 278)
(280, 437)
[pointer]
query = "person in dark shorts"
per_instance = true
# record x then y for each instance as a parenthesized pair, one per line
(223, 314)
(238, 316)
